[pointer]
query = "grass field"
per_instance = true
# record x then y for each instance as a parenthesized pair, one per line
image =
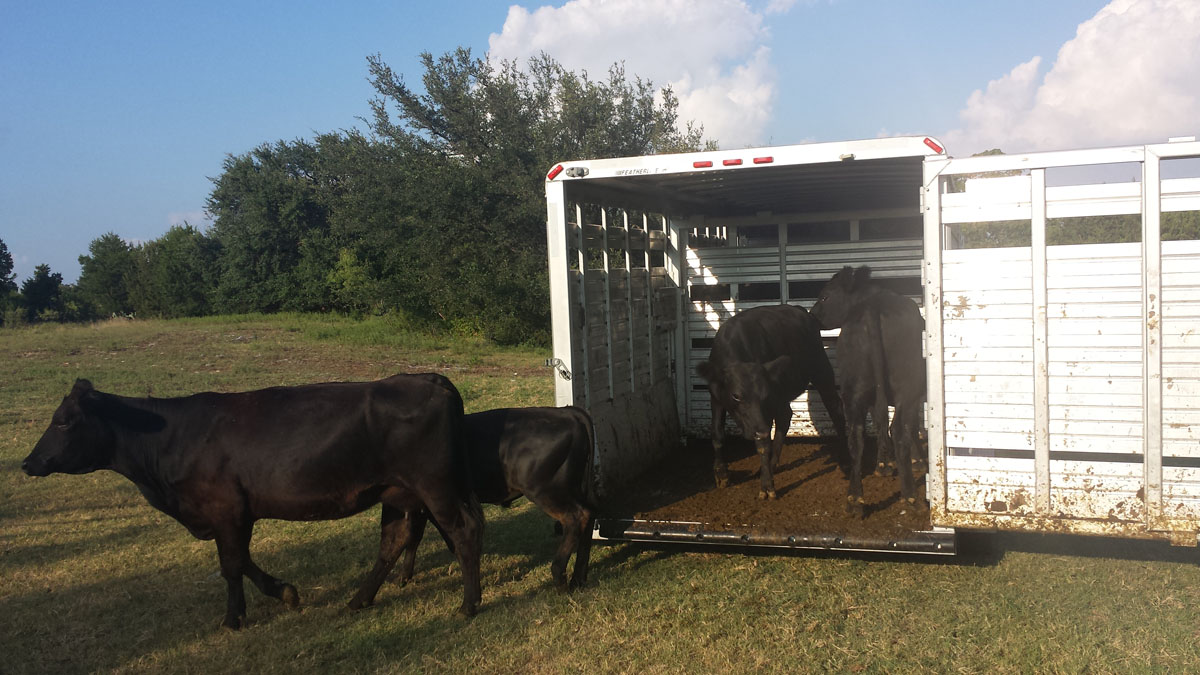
(92, 579)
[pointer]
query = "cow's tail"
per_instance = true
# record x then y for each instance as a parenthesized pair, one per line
(879, 372)
(589, 471)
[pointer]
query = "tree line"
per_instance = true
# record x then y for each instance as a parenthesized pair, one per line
(436, 212)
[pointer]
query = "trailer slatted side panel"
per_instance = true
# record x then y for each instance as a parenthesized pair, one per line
(988, 361)
(1070, 373)
(1181, 378)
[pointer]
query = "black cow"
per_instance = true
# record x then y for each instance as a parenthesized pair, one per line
(879, 364)
(544, 454)
(219, 462)
(761, 360)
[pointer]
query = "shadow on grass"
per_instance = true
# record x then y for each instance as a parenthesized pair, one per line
(990, 547)
(85, 625)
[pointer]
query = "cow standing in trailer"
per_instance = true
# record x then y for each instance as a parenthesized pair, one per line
(762, 359)
(879, 364)
(543, 454)
(219, 462)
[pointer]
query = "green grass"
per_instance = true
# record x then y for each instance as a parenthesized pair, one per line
(92, 579)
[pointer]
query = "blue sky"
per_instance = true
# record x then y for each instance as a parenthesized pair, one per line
(114, 116)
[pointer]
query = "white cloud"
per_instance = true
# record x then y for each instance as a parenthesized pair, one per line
(197, 218)
(1128, 76)
(779, 6)
(711, 54)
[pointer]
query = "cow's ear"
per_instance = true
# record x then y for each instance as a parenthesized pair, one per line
(81, 387)
(704, 369)
(777, 367)
(862, 276)
(90, 400)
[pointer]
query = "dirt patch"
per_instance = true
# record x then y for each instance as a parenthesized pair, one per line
(811, 485)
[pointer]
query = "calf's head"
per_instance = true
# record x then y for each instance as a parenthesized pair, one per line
(744, 388)
(77, 441)
(846, 289)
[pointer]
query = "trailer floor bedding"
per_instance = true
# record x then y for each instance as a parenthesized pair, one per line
(812, 490)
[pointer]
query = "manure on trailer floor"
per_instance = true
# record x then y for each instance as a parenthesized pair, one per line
(811, 484)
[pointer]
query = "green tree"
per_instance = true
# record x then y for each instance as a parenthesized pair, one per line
(41, 295)
(8, 285)
(102, 281)
(475, 147)
(174, 275)
(266, 205)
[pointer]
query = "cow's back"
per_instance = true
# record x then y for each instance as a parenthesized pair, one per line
(762, 334)
(515, 449)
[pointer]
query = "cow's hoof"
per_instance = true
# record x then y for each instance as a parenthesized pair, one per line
(854, 506)
(918, 505)
(766, 494)
(356, 603)
(468, 610)
(289, 596)
(722, 480)
(233, 622)
(888, 469)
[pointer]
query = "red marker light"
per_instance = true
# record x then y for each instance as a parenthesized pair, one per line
(554, 172)
(732, 162)
(934, 146)
(763, 160)
(701, 165)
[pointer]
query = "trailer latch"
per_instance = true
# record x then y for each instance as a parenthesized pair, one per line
(561, 367)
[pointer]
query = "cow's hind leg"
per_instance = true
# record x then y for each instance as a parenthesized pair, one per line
(856, 422)
(583, 551)
(885, 440)
(908, 416)
(394, 534)
(576, 521)
(462, 526)
(417, 521)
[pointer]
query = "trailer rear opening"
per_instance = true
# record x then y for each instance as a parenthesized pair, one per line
(648, 255)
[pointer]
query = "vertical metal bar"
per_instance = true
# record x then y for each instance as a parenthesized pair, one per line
(628, 274)
(563, 307)
(783, 277)
(935, 417)
(649, 299)
(676, 257)
(584, 368)
(608, 318)
(1152, 363)
(1041, 366)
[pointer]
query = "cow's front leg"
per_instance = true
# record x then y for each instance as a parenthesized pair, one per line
(720, 469)
(783, 421)
(272, 587)
(762, 443)
(233, 552)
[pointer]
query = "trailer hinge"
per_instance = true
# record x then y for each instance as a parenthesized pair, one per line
(561, 367)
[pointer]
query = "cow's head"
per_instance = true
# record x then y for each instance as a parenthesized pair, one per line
(744, 387)
(846, 289)
(78, 440)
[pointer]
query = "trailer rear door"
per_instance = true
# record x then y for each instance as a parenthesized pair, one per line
(1062, 297)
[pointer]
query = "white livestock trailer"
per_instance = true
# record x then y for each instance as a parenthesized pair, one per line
(1061, 293)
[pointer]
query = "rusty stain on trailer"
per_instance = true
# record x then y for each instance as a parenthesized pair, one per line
(963, 303)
